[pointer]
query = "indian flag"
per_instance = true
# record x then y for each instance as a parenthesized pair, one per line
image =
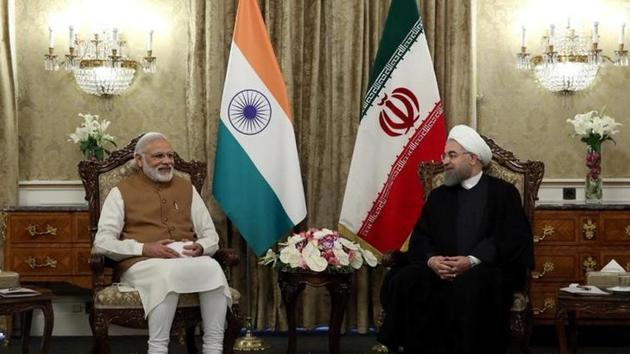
(402, 124)
(257, 178)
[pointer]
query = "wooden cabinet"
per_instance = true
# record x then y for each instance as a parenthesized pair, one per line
(47, 244)
(571, 240)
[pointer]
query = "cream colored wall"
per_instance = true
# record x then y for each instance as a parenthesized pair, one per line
(531, 121)
(512, 108)
(50, 101)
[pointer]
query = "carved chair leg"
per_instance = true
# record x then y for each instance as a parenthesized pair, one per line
(99, 324)
(520, 328)
(528, 330)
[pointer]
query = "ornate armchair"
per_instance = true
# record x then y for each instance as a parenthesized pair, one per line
(125, 308)
(526, 177)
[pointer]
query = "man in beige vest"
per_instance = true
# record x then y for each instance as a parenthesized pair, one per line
(143, 221)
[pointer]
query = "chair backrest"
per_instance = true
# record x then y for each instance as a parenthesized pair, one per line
(99, 177)
(526, 176)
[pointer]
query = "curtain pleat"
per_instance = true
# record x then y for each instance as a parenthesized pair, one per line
(9, 173)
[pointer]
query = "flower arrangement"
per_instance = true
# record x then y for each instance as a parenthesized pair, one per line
(319, 250)
(91, 137)
(594, 128)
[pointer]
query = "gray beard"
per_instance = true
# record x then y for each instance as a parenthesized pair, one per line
(452, 177)
(154, 174)
(455, 176)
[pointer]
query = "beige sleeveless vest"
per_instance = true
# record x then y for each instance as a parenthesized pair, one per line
(155, 211)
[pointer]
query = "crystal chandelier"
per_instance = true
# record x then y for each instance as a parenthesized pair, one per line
(101, 65)
(571, 60)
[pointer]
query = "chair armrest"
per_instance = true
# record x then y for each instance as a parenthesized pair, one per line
(393, 259)
(227, 257)
(97, 264)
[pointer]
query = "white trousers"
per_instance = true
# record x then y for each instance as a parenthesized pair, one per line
(213, 311)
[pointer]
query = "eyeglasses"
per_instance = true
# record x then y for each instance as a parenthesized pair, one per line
(452, 155)
(163, 155)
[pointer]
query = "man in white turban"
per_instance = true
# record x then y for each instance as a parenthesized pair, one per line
(467, 254)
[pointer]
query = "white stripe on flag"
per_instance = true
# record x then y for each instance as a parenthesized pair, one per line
(277, 138)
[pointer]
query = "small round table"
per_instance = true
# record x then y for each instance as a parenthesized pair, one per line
(338, 285)
(26, 305)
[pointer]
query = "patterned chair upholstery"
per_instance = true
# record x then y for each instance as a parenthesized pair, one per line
(120, 305)
(526, 176)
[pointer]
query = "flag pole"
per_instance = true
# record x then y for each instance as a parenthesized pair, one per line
(248, 342)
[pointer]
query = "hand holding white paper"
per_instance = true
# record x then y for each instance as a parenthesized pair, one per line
(178, 246)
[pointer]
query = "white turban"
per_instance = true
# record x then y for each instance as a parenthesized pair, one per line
(471, 141)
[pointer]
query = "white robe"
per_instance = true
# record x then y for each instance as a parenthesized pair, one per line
(155, 278)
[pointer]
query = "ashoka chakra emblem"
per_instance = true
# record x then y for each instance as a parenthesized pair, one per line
(249, 112)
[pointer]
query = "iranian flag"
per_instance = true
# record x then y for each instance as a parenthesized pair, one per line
(402, 124)
(257, 178)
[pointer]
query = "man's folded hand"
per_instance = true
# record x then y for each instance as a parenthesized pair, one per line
(193, 250)
(458, 264)
(158, 249)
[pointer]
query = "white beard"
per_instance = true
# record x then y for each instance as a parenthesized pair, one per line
(156, 175)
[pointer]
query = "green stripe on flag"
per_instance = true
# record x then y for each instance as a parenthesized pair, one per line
(246, 197)
(402, 28)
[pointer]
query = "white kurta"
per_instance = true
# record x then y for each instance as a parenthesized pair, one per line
(155, 278)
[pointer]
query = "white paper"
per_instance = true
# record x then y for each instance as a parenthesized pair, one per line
(18, 292)
(575, 288)
(178, 246)
(124, 288)
(613, 267)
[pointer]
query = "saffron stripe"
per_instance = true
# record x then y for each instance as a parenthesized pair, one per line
(251, 37)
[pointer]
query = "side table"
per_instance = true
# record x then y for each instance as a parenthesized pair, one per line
(25, 306)
(595, 306)
(338, 285)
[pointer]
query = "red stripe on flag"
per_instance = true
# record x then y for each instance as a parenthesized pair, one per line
(397, 206)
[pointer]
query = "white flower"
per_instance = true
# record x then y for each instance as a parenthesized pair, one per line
(80, 134)
(292, 240)
(348, 244)
(104, 125)
(369, 257)
(594, 127)
(356, 260)
(341, 255)
(269, 258)
(92, 137)
(313, 259)
(290, 255)
(321, 234)
(610, 125)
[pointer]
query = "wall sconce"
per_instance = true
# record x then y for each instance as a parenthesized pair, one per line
(571, 60)
(101, 65)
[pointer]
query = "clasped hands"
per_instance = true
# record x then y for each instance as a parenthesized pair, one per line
(448, 268)
(159, 249)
